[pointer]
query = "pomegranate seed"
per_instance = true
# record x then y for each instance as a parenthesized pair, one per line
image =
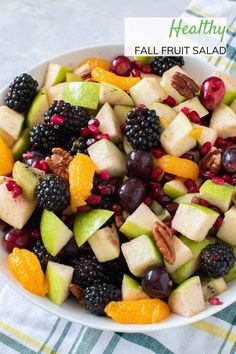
(194, 189)
(188, 157)
(90, 141)
(113, 181)
(148, 200)
(142, 105)
(17, 190)
(189, 183)
(36, 164)
(219, 143)
(27, 155)
(103, 136)
(215, 301)
(156, 189)
(137, 64)
(158, 153)
(169, 177)
(165, 199)
(194, 117)
(146, 69)
(123, 126)
(214, 257)
(233, 139)
(157, 173)
(228, 144)
(104, 190)
(233, 180)
(215, 208)
(117, 209)
(105, 176)
(195, 200)
(170, 101)
(94, 122)
(35, 233)
(43, 166)
(172, 207)
(93, 129)
(56, 119)
(218, 180)
(135, 73)
(94, 199)
(185, 110)
(84, 132)
(202, 202)
(218, 222)
(206, 147)
(227, 178)
(83, 208)
(10, 185)
(207, 175)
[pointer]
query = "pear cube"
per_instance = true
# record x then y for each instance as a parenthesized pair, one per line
(147, 91)
(164, 112)
(114, 95)
(227, 229)
(223, 120)
(11, 122)
(109, 123)
(183, 254)
(175, 188)
(193, 104)
(56, 73)
(131, 289)
(207, 134)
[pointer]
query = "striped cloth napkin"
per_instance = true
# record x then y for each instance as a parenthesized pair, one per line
(26, 329)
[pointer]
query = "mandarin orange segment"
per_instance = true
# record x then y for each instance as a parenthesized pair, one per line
(145, 311)
(195, 133)
(97, 62)
(179, 166)
(125, 83)
(6, 159)
(81, 173)
(27, 270)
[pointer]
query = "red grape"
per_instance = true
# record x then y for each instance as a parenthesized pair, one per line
(212, 92)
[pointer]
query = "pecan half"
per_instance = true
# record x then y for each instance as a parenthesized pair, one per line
(184, 85)
(212, 161)
(59, 162)
(77, 292)
(163, 237)
(83, 70)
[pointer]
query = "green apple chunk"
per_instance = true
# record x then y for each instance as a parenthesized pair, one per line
(219, 195)
(127, 146)
(175, 188)
(213, 287)
(105, 243)
(21, 145)
(140, 254)
(131, 289)
(121, 112)
(186, 198)
(175, 139)
(233, 105)
(109, 123)
(230, 86)
(194, 221)
(114, 95)
(183, 254)
(189, 268)
(107, 156)
(59, 277)
(223, 120)
(15, 211)
(147, 91)
(166, 83)
(193, 104)
(187, 299)
(11, 122)
(207, 134)
(144, 60)
(55, 234)
(162, 213)
(227, 229)
(140, 222)
(37, 109)
(88, 223)
(72, 77)
(56, 73)
(232, 273)
(164, 112)
(84, 94)
(55, 92)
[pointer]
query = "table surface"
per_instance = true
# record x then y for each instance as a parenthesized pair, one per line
(31, 31)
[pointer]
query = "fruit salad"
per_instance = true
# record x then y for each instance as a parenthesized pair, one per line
(117, 186)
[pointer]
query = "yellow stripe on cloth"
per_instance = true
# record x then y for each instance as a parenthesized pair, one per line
(214, 330)
(24, 337)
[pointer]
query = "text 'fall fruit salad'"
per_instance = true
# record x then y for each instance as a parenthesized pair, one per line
(118, 186)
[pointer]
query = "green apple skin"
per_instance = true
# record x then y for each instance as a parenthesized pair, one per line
(72, 77)
(219, 195)
(37, 109)
(175, 189)
(21, 145)
(56, 74)
(86, 224)
(186, 198)
(84, 94)
(187, 299)
(229, 97)
(144, 60)
(59, 277)
(55, 234)
(132, 230)
(232, 274)
(121, 111)
(131, 289)
(11, 122)
(191, 266)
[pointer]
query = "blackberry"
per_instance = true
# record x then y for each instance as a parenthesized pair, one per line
(143, 129)
(115, 270)
(87, 270)
(74, 118)
(21, 93)
(44, 137)
(43, 256)
(78, 144)
(97, 296)
(217, 260)
(106, 190)
(53, 193)
(162, 64)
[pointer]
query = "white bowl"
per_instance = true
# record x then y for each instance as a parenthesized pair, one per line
(71, 310)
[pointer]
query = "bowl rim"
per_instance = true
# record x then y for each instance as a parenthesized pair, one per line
(110, 325)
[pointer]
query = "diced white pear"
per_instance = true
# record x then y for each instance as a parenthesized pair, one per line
(147, 91)
(183, 254)
(109, 123)
(164, 112)
(207, 134)
(223, 120)
(227, 229)
(193, 104)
